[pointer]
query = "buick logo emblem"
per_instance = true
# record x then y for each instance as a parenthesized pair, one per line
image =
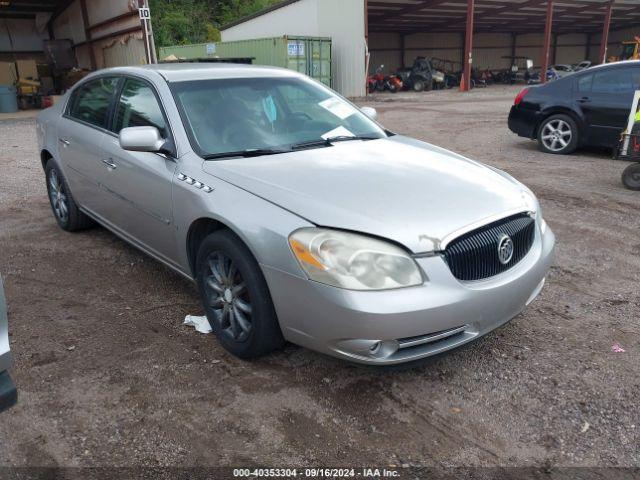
(505, 249)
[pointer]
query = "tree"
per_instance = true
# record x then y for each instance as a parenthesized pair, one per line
(182, 22)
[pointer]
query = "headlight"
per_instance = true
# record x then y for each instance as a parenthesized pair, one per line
(533, 205)
(352, 261)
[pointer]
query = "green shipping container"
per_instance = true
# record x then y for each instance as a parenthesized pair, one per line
(308, 55)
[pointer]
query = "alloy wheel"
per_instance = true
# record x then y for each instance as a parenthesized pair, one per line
(556, 135)
(58, 197)
(228, 296)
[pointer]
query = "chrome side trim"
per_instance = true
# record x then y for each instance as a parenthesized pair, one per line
(136, 244)
(430, 338)
(192, 181)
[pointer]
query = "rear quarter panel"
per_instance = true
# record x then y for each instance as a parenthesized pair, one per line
(557, 97)
(47, 128)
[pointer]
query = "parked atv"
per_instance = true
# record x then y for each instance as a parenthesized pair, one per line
(419, 77)
(631, 177)
(375, 82)
(629, 149)
(380, 83)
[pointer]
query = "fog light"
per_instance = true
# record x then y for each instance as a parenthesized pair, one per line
(368, 348)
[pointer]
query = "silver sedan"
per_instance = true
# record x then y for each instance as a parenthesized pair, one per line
(299, 217)
(8, 394)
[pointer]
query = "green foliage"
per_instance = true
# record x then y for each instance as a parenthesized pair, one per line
(182, 22)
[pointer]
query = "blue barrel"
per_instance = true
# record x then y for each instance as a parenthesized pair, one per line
(8, 99)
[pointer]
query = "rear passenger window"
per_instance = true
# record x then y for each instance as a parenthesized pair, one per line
(584, 83)
(90, 102)
(138, 107)
(614, 81)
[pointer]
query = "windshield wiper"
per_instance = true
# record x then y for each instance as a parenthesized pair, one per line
(251, 152)
(331, 140)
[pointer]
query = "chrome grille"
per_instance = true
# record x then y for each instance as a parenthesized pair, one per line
(474, 255)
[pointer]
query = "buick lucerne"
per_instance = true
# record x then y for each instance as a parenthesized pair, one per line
(299, 217)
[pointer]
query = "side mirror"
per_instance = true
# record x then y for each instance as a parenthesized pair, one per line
(370, 112)
(141, 139)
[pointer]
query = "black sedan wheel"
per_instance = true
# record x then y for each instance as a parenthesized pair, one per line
(558, 134)
(631, 177)
(236, 297)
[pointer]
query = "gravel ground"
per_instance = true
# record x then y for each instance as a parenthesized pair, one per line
(108, 376)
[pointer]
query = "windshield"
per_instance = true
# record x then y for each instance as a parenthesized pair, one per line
(256, 114)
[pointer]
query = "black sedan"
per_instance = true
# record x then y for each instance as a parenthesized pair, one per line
(590, 107)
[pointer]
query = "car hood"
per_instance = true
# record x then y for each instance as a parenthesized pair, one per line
(397, 188)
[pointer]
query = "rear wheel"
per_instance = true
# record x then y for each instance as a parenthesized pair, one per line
(631, 177)
(235, 297)
(558, 134)
(65, 209)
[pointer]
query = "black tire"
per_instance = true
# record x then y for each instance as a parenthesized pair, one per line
(74, 220)
(250, 305)
(631, 177)
(428, 85)
(418, 85)
(553, 137)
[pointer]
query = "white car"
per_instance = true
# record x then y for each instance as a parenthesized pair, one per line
(562, 70)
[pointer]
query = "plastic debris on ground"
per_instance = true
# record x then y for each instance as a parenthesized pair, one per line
(201, 324)
(617, 348)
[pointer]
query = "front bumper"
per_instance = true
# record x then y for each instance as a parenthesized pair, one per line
(8, 392)
(396, 326)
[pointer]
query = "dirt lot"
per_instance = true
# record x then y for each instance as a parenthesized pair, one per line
(109, 376)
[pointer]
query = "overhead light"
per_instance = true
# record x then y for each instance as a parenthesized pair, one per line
(5, 3)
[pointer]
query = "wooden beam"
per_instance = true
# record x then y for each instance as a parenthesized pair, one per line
(547, 42)
(605, 33)
(87, 33)
(465, 85)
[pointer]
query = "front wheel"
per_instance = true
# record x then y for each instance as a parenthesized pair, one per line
(631, 177)
(418, 86)
(558, 134)
(235, 297)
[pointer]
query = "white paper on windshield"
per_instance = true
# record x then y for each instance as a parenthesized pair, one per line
(339, 108)
(338, 132)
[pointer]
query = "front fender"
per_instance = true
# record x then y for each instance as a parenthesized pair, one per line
(263, 226)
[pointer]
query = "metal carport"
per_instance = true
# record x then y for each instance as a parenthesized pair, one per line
(593, 18)
(103, 32)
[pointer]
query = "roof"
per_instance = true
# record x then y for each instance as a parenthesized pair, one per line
(181, 72)
(29, 8)
(260, 13)
(519, 16)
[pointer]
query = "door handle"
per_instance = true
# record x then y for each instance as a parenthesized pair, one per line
(66, 143)
(109, 163)
(584, 100)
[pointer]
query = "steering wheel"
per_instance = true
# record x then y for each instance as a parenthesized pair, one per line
(237, 133)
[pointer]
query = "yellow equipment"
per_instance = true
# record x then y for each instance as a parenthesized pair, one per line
(630, 51)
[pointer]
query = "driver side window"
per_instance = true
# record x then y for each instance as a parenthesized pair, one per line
(138, 107)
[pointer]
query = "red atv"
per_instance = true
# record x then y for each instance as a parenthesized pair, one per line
(380, 83)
